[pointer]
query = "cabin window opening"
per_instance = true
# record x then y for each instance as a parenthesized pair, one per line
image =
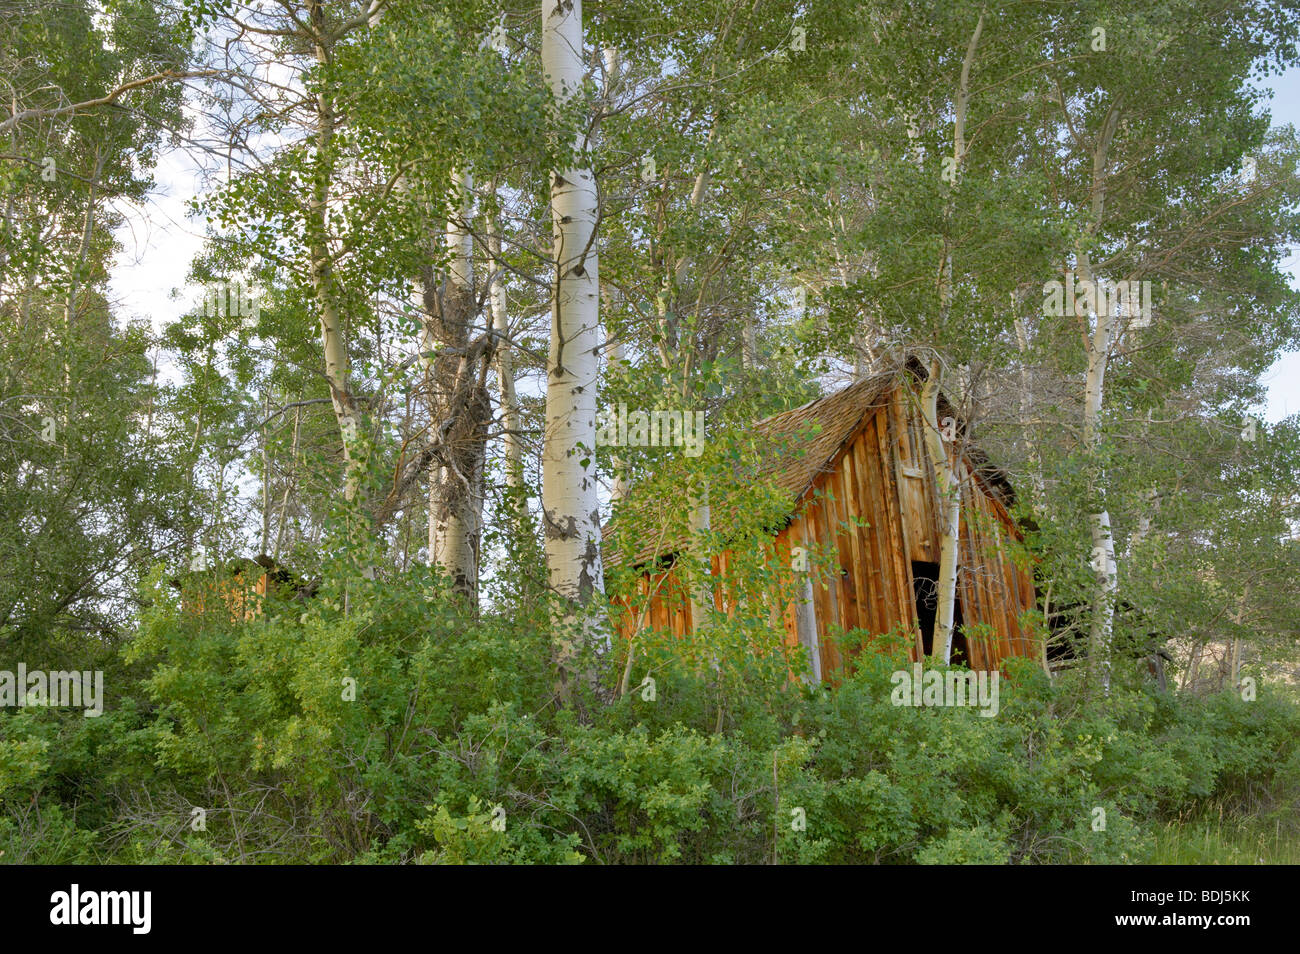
(925, 590)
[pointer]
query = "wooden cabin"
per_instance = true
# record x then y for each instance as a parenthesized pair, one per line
(859, 453)
(241, 584)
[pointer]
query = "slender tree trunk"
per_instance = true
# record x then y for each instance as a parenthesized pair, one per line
(862, 362)
(619, 489)
(1234, 666)
(266, 475)
(949, 498)
(456, 493)
(1103, 562)
(941, 461)
(1098, 345)
(512, 441)
(70, 306)
(289, 484)
(1027, 410)
(1194, 665)
(321, 271)
(571, 510)
(702, 591)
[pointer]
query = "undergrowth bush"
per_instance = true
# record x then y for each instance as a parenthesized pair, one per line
(381, 723)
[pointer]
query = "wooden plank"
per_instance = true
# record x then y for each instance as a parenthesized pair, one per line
(1002, 583)
(855, 581)
(863, 538)
(978, 563)
(1019, 585)
(993, 605)
(920, 488)
(897, 434)
(1009, 590)
(854, 602)
(806, 626)
(995, 581)
(901, 603)
(974, 609)
(896, 568)
(831, 590)
(877, 550)
(893, 439)
(782, 613)
(815, 512)
(854, 560)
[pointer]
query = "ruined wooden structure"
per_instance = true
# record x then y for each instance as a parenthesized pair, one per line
(863, 490)
(240, 585)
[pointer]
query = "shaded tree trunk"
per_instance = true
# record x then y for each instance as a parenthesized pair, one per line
(459, 406)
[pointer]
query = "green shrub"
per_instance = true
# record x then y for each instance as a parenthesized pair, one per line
(404, 730)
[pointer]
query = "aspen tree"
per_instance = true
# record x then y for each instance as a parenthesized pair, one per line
(571, 514)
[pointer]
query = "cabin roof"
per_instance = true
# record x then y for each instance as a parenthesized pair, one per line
(802, 443)
(805, 439)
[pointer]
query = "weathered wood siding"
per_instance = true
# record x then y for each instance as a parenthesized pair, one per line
(240, 599)
(874, 506)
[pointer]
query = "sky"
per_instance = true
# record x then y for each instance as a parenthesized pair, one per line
(1283, 379)
(159, 242)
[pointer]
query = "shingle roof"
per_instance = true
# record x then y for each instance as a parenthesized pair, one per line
(806, 439)
(796, 446)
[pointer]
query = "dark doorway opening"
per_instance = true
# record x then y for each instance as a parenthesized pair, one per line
(925, 590)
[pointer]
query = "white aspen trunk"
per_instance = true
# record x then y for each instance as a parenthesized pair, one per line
(613, 63)
(1098, 346)
(1103, 561)
(321, 272)
(1150, 501)
(512, 441)
(945, 473)
(1027, 408)
(613, 73)
(460, 410)
(571, 510)
(949, 489)
(702, 591)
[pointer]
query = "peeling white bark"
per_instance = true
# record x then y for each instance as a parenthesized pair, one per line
(949, 498)
(570, 505)
(1098, 346)
(1103, 562)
